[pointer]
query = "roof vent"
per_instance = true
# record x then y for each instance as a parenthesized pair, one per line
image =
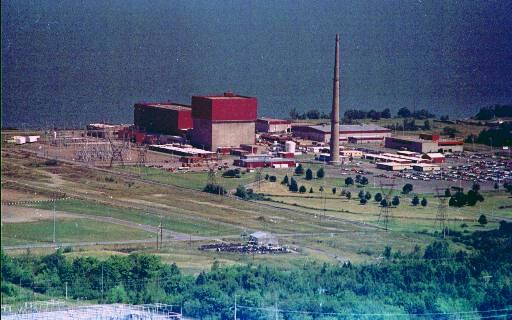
(229, 94)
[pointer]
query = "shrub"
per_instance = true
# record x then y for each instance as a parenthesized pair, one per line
(482, 220)
(302, 189)
(309, 174)
(407, 188)
(320, 173)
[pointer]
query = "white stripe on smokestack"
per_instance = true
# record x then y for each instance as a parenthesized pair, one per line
(335, 116)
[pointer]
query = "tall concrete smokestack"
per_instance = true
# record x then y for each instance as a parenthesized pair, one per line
(335, 117)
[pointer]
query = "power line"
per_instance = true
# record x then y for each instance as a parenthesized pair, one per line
(271, 309)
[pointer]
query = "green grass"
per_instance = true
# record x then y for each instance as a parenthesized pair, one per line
(178, 224)
(72, 230)
(192, 180)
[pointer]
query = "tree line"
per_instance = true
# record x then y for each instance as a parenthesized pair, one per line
(435, 279)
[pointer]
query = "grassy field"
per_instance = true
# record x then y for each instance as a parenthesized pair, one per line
(192, 180)
(297, 219)
(68, 230)
(181, 224)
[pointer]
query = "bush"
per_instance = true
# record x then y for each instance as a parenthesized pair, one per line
(241, 192)
(363, 201)
(378, 197)
(320, 173)
(232, 173)
(272, 179)
(333, 190)
(360, 195)
(348, 195)
(302, 189)
(349, 181)
(309, 174)
(311, 190)
(215, 189)
(415, 200)
(285, 180)
(368, 196)
(299, 170)
(407, 188)
(424, 202)
(396, 201)
(482, 220)
(293, 186)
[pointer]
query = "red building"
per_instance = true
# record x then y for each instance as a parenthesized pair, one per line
(223, 121)
(163, 118)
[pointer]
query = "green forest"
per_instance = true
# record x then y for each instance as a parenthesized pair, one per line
(434, 282)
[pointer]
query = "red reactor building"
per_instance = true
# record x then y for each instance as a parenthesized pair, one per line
(163, 117)
(227, 120)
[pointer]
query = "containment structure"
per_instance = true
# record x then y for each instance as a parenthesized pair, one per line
(272, 125)
(163, 117)
(227, 120)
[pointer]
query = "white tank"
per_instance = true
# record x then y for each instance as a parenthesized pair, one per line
(289, 146)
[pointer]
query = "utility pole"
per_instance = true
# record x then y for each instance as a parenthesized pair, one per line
(54, 221)
(161, 234)
(102, 295)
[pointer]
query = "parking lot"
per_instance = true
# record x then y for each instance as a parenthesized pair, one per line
(459, 170)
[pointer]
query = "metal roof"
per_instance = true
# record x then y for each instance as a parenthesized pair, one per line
(350, 127)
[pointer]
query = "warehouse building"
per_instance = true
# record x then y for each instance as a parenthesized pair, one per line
(270, 125)
(435, 157)
(253, 162)
(426, 167)
(353, 133)
(223, 121)
(163, 118)
(393, 166)
(424, 144)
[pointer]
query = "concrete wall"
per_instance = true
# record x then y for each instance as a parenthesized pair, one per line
(211, 135)
(233, 134)
(263, 126)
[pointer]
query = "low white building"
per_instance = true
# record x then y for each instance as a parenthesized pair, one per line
(265, 239)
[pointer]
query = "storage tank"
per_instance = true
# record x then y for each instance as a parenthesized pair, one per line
(289, 146)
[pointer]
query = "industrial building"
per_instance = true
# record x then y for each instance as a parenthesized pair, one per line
(435, 157)
(426, 167)
(270, 125)
(354, 133)
(424, 144)
(263, 239)
(182, 150)
(227, 120)
(163, 118)
(393, 166)
(251, 161)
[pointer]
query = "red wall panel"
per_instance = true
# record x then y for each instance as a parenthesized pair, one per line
(225, 109)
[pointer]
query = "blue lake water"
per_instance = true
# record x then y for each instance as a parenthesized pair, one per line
(66, 63)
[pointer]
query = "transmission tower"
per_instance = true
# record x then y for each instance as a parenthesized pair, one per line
(212, 177)
(141, 158)
(385, 214)
(257, 177)
(118, 151)
(442, 215)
